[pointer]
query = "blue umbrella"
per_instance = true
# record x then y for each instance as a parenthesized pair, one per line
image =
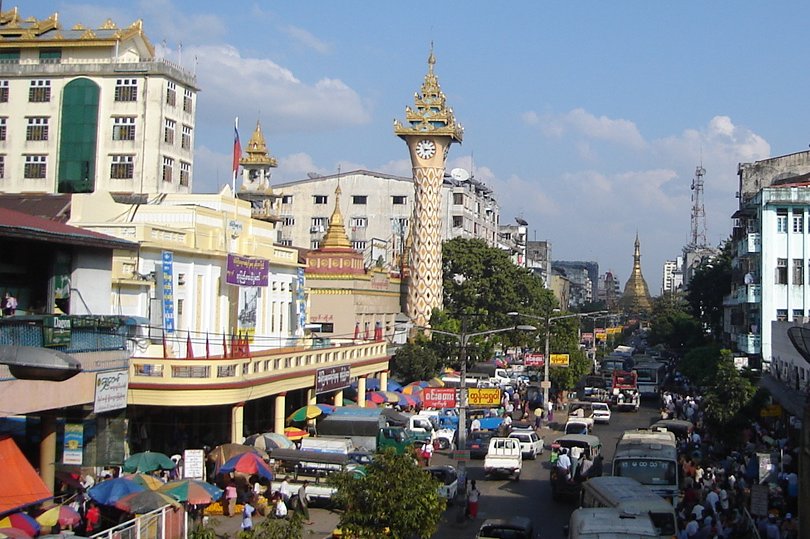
(393, 385)
(326, 408)
(247, 463)
(110, 491)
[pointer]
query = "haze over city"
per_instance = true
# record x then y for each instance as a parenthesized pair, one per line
(587, 120)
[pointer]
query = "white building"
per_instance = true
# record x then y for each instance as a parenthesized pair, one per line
(672, 276)
(377, 209)
(513, 240)
(84, 110)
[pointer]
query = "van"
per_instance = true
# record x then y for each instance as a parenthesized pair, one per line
(628, 495)
(598, 522)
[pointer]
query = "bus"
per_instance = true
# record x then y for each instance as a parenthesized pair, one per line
(630, 496)
(651, 377)
(649, 456)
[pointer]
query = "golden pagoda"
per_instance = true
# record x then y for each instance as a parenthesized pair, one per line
(335, 255)
(636, 298)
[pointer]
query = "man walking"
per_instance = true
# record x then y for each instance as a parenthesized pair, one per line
(303, 502)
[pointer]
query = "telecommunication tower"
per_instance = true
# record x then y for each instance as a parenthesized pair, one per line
(698, 233)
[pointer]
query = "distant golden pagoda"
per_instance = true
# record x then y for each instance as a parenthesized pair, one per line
(335, 255)
(636, 298)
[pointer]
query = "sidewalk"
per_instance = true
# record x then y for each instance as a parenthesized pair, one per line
(324, 522)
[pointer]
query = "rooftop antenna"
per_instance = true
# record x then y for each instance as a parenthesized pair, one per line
(698, 230)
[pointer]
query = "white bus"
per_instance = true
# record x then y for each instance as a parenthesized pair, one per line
(651, 458)
(630, 496)
(651, 375)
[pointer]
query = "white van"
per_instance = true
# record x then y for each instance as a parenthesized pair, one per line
(627, 494)
(598, 522)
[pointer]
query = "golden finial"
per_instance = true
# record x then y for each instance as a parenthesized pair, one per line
(336, 233)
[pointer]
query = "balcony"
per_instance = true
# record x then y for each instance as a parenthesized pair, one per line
(751, 293)
(751, 243)
(749, 343)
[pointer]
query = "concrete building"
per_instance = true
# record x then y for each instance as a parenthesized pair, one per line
(672, 276)
(538, 259)
(513, 240)
(91, 109)
(609, 290)
(584, 277)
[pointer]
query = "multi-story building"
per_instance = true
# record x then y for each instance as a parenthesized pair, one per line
(512, 239)
(538, 259)
(378, 209)
(584, 277)
(672, 276)
(91, 109)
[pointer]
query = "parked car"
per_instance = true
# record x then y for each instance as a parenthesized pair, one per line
(601, 412)
(499, 528)
(576, 426)
(448, 479)
(530, 444)
(504, 457)
(478, 443)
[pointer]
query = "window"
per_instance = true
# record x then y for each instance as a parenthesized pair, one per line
(185, 142)
(781, 221)
(458, 199)
(359, 245)
(124, 128)
(798, 316)
(168, 166)
(35, 167)
(187, 101)
(358, 222)
(122, 167)
(781, 315)
(458, 221)
(781, 270)
(185, 173)
(3, 128)
(399, 200)
(39, 91)
(2, 166)
(399, 225)
(287, 199)
(168, 131)
(359, 199)
(126, 90)
(50, 56)
(285, 243)
(3, 91)
(37, 128)
(319, 224)
(315, 244)
(171, 93)
(320, 199)
(288, 220)
(798, 222)
(10, 56)
(798, 271)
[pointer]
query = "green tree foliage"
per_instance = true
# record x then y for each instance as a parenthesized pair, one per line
(700, 364)
(564, 341)
(414, 361)
(674, 327)
(395, 495)
(273, 528)
(727, 395)
(707, 287)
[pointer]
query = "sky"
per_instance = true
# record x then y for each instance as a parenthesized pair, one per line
(587, 119)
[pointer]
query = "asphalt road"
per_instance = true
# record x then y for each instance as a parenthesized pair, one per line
(531, 496)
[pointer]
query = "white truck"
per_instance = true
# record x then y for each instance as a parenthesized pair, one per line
(505, 457)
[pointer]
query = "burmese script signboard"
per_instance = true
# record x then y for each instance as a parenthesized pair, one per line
(533, 360)
(111, 391)
(558, 360)
(438, 397)
(332, 378)
(484, 396)
(244, 271)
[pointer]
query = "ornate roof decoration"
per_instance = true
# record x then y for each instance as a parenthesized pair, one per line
(336, 256)
(256, 150)
(431, 116)
(108, 25)
(336, 233)
(636, 298)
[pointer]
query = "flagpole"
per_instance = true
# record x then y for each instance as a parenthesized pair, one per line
(237, 154)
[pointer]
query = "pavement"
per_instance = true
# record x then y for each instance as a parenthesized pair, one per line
(324, 521)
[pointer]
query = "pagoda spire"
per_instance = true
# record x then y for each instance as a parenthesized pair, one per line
(257, 162)
(636, 298)
(336, 233)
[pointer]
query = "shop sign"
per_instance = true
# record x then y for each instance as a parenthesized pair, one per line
(438, 397)
(56, 331)
(558, 360)
(772, 410)
(244, 271)
(332, 378)
(484, 396)
(167, 273)
(73, 448)
(111, 391)
(533, 360)
(194, 464)
(586, 337)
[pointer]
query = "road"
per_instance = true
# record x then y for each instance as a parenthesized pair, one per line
(531, 496)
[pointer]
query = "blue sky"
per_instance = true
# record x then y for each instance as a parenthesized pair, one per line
(586, 118)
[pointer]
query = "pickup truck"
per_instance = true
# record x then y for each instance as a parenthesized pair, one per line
(505, 457)
(581, 412)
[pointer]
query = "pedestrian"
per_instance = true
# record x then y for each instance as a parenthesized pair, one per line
(247, 514)
(303, 502)
(538, 417)
(473, 496)
(92, 519)
(9, 305)
(230, 497)
(285, 490)
(279, 507)
(549, 412)
(427, 452)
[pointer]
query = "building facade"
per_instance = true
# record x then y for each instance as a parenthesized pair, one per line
(672, 276)
(584, 277)
(538, 259)
(512, 238)
(91, 109)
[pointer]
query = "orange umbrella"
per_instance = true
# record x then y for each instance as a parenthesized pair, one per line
(294, 433)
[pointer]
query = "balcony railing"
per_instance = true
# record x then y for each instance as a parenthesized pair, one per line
(751, 293)
(752, 243)
(749, 343)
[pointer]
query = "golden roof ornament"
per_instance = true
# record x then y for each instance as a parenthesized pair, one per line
(431, 114)
(636, 298)
(256, 150)
(336, 233)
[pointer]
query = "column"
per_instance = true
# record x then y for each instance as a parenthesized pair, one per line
(361, 391)
(384, 381)
(47, 449)
(278, 425)
(311, 397)
(237, 422)
(338, 398)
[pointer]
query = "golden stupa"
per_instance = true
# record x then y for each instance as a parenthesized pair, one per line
(636, 298)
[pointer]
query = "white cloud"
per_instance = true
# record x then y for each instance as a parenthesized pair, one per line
(307, 39)
(579, 122)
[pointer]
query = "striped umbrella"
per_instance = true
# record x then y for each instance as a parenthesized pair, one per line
(412, 388)
(406, 400)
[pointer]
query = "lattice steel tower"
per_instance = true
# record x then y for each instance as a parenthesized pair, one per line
(698, 233)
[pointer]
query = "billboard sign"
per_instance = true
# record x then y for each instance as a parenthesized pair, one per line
(73, 445)
(484, 396)
(111, 391)
(332, 378)
(438, 397)
(533, 360)
(244, 271)
(558, 360)
(167, 280)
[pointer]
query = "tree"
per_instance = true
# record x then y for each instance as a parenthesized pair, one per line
(674, 327)
(727, 395)
(396, 498)
(277, 528)
(700, 364)
(414, 361)
(708, 286)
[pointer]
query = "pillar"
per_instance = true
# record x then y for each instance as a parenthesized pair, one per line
(338, 398)
(278, 425)
(237, 422)
(361, 392)
(311, 397)
(47, 450)
(384, 381)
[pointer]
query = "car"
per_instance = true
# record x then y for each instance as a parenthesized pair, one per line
(601, 412)
(522, 426)
(448, 480)
(478, 443)
(576, 426)
(501, 528)
(530, 444)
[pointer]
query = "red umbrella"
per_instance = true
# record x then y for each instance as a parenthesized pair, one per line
(13, 533)
(248, 463)
(21, 521)
(376, 397)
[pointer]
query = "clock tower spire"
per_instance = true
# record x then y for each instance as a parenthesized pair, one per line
(429, 131)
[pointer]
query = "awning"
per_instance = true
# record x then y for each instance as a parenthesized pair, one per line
(20, 486)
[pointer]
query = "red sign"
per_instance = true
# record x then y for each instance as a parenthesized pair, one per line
(533, 360)
(438, 397)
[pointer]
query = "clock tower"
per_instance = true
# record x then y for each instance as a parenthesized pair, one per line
(429, 131)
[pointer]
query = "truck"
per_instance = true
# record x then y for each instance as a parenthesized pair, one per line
(593, 388)
(366, 433)
(625, 390)
(504, 457)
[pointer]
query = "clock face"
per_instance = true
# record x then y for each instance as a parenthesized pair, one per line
(425, 149)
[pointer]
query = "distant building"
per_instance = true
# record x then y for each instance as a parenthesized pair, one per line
(512, 239)
(672, 276)
(91, 109)
(636, 298)
(538, 259)
(609, 290)
(584, 277)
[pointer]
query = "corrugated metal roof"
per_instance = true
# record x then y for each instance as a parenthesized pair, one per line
(15, 224)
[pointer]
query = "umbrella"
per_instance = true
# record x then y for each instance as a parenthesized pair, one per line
(192, 491)
(64, 515)
(377, 397)
(247, 463)
(435, 382)
(13, 533)
(70, 479)
(371, 404)
(269, 440)
(326, 409)
(394, 386)
(406, 400)
(148, 461)
(149, 481)
(309, 411)
(222, 453)
(294, 433)
(412, 388)
(348, 402)
(22, 522)
(108, 492)
(143, 502)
